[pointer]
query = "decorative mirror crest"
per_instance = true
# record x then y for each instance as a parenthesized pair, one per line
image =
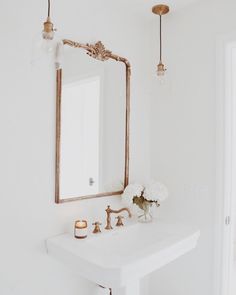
(98, 51)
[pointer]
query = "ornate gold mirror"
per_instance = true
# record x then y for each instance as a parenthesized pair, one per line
(92, 123)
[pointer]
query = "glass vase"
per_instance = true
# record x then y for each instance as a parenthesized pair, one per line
(145, 215)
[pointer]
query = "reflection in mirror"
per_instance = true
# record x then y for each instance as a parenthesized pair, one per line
(92, 127)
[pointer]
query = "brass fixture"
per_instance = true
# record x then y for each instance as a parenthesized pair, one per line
(119, 220)
(160, 10)
(48, 29)
(109, 211)
(98, 52)
(97, 227)
(46, 42)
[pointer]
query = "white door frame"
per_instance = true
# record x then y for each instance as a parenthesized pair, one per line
(225, 145)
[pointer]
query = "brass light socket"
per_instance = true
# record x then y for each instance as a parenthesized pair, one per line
(48, 26)
(160, 9)
(161, 69)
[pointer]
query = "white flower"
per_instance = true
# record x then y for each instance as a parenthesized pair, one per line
(132, 190)
(155, 191)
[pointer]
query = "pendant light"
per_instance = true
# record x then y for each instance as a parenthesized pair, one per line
(160, 10)
(47, 44)
(48, 29)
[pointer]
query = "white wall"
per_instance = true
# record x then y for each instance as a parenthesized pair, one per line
(183, 136)
(183, 145)
(28, 214)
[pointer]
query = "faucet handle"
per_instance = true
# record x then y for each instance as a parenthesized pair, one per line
(97, 227)
(119, 220)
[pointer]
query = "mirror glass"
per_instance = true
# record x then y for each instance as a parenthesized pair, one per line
(92, 126)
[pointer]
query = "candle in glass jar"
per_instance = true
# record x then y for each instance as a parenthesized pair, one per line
(81, 229)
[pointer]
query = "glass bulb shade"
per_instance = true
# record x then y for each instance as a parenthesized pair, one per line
(160, 72)
(162, 78)
(47, 49)
(48, 35)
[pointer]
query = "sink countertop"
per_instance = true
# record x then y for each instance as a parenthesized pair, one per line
(114, 257)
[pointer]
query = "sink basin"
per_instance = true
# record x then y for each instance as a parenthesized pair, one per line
(120, 257)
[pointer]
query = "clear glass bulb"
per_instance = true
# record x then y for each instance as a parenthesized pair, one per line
(48, 35)
(46, 49)
(161, 73)
(162, 80)
(48, 45)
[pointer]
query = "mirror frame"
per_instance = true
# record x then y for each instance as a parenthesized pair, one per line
(99, 52)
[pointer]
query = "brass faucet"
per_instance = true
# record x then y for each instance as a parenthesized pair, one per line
(97, 229)
(109, 211)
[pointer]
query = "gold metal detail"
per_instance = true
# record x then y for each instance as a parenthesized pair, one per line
(109, 211)
(48, 26)
(48, 29)
(119, 220)
(96, 51)
(160, 69)
(97, 227)
(160, 9)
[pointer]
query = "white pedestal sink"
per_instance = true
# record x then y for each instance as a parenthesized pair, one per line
(119, 258)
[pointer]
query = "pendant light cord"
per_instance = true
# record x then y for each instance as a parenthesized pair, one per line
(160, 39)
(49, 8)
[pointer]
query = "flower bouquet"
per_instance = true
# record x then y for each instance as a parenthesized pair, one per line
(145, 197)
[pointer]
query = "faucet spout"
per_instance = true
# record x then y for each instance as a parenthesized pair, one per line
(109, 211)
